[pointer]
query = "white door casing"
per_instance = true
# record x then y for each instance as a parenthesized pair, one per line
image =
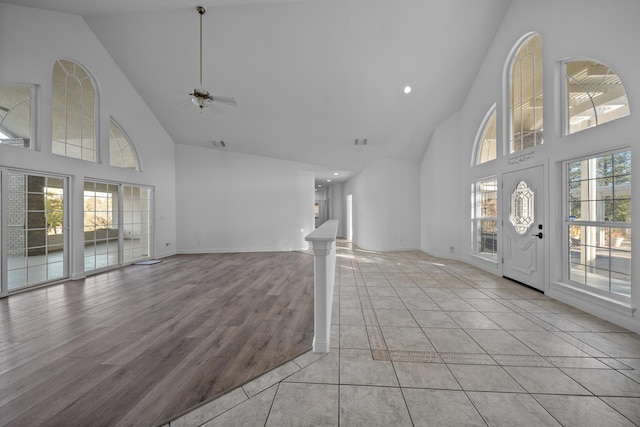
(523, 230)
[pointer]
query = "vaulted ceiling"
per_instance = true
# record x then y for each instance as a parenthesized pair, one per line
(309, 76)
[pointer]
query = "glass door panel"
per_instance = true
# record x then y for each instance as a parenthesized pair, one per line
(101, 230)
(36, 234)
(136, 222)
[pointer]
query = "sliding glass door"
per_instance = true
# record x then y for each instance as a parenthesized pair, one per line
(36, 233)
(116, 224)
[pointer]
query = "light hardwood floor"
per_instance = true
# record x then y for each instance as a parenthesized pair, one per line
(142, 345)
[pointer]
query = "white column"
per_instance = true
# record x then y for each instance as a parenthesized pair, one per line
(323, 244)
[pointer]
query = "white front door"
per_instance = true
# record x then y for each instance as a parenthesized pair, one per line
(523, 226)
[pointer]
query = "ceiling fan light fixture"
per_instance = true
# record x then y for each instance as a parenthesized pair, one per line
(201, 98)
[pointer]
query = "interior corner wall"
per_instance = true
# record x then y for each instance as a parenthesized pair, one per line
(386, 205)
(443, 212)
(230, 202)
(31, 40)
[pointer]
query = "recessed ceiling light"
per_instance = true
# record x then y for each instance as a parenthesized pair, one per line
(336, 174)
(319, 185)
(407, 89)
(328, 180)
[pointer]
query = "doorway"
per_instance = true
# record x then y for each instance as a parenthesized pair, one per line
(34, 244)
(523, 226)
(349, 217)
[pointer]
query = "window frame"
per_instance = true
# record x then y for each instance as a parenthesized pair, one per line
(476, 219)
(508, 124)
(568, 222)
(32, 114)
(491, 114)
(566, 119)
(134, 151)
(95, 120)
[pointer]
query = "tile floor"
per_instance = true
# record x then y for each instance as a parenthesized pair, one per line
(423, 341)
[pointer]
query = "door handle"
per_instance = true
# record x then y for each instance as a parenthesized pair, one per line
(539, 235)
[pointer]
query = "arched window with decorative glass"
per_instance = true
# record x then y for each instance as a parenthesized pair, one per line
(594, 95)
(122, 153)
(486, 139)
(15, 116)
(73, 112)
(525, 95)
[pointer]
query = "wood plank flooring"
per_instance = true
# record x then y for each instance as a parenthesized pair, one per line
(141, 345)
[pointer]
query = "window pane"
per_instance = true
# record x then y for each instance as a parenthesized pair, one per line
(595, 95)
(100, 225)
(121, 154)
(35, 235)
(73, 112)
(136, 226)
(526, 96)
(485, 218)
(487, 147)
(522, 208)
(600, 255)
(15, 116)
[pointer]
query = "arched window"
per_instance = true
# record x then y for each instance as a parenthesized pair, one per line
(526, 95)
(15, 116)
(486, 140)
(594, 95)
(122, 154)
(73, 112)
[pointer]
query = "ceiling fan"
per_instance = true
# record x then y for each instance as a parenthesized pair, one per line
(201, 97)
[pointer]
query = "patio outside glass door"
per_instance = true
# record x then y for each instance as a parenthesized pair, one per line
(35, 227)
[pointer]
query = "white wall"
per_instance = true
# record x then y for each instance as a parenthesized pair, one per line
(336, 207)
(443, 212)
(31, 40)
(231, 202)
(610, 38)
(386, 205)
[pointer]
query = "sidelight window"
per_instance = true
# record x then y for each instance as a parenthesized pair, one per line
(485, 218)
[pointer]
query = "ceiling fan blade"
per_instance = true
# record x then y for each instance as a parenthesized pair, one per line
(186, 103)
(224, 100)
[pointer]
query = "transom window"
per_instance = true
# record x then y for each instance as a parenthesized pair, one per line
(598, 222)
(486, 150)
(73, 115)
(526, 96)
(121, 151)
(15, 116)
(595, 95)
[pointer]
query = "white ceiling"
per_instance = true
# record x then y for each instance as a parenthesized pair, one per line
(309, 76)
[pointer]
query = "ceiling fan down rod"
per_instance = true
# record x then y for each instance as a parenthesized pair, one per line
(201, 10)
